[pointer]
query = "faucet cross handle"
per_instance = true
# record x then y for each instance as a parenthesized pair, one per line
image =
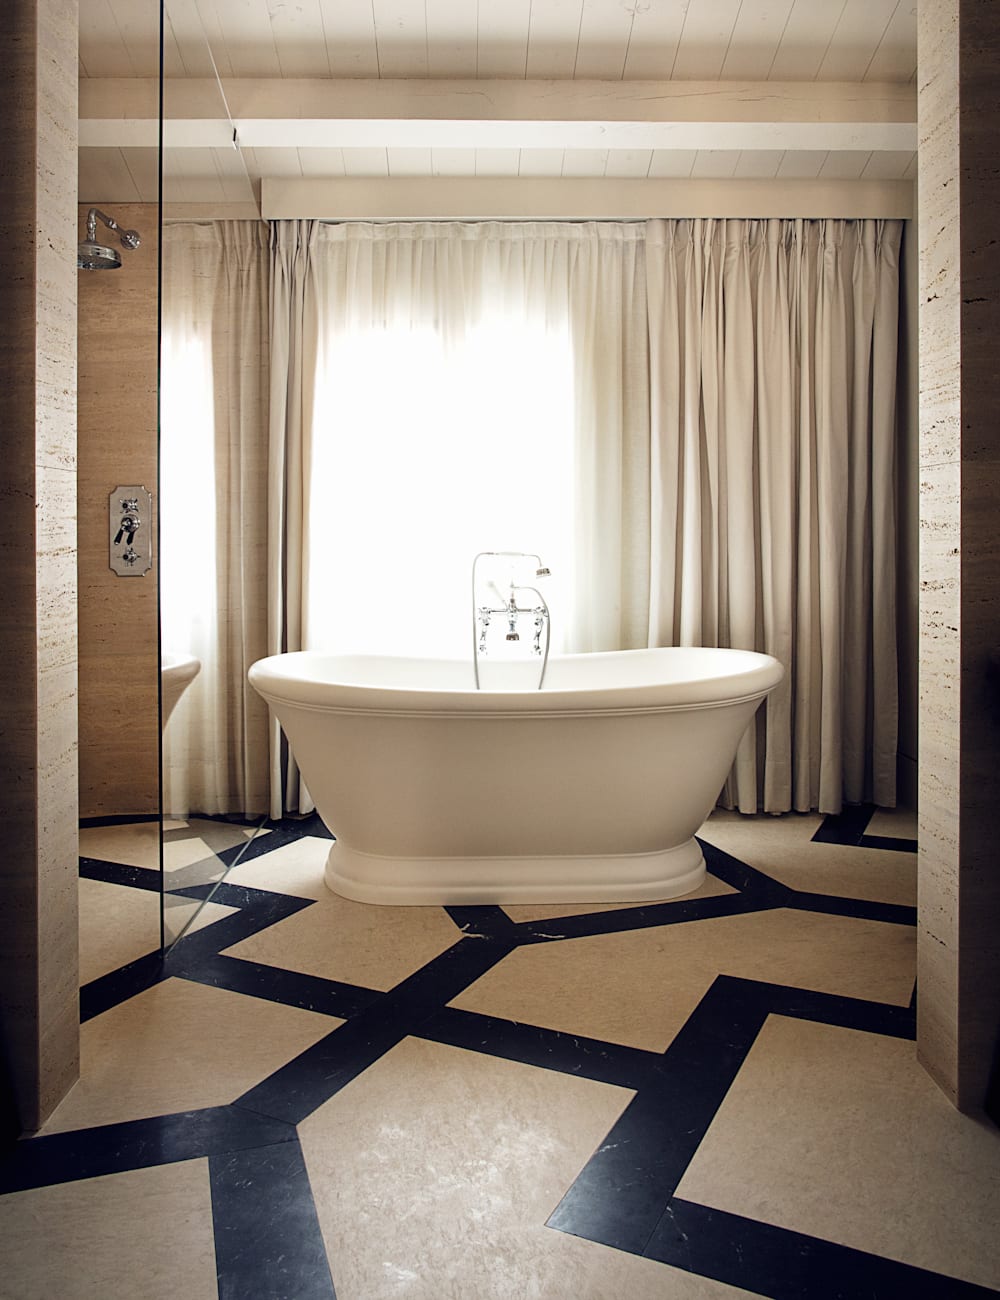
(540, 616)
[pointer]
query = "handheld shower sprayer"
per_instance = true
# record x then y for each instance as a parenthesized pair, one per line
(92, 256)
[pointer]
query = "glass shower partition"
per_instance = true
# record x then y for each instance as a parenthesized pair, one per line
(203, 178)
(117, 349)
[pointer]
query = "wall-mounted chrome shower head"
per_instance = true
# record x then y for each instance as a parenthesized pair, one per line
(92, 256)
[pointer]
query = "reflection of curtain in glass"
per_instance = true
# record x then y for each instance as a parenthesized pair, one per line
(212, 510)
(773, 375)
(453, 388)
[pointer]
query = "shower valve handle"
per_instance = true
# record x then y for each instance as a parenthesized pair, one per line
(129, 527)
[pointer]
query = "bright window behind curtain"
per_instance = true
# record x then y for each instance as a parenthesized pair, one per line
(425, 450)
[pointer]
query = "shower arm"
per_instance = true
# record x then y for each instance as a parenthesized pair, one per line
(129, 238)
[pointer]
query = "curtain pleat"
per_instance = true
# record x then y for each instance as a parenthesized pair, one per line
(293, 347)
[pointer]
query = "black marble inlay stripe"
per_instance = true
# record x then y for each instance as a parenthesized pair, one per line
(121, 873)
(136, 1144)
(304, 1084)
(740, 875)
(268, 1243)
(547, 1049)
(619, 1196)
(858, 909)
(884, 1018)
(482, 920)
(750, 880)
(290, 988)
(888, 842)
(108, 991)
(624, 1188)
(845, 827)
(647, 916)
(788, 1265)
(120, 819)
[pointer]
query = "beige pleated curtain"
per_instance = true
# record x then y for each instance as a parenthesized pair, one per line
(734, 460)
(773, 383)
(213, 510)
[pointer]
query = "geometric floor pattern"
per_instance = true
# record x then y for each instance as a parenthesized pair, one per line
(715, 1096)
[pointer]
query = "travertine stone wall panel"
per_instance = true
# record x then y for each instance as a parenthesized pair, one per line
(119, 726)
(39, 1017)
(959, 193)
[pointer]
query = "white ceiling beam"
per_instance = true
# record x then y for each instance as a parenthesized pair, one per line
(402, 133)
(421, 114)
(677, 101)
(562, 198)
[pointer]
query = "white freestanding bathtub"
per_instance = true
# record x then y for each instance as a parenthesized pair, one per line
(590, 790)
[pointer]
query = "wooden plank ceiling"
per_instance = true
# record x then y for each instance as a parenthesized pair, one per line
(860, 41)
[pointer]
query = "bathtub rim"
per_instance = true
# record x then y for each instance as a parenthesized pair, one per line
(279, 687)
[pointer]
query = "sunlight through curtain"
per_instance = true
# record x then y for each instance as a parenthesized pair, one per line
(456, 388)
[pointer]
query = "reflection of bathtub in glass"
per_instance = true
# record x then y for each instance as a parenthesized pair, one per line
(589, 790)
(177, 672)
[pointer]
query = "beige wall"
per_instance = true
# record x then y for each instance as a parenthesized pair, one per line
(39, 1007)
(117, 351)
(959, 889)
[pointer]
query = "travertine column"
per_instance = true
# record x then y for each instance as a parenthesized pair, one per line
(959, 211)
(39, 1018)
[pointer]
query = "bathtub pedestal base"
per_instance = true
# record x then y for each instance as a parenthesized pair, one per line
(439, 882)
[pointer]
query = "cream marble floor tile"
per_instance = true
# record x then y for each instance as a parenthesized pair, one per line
(434, 1174)
(841, 1134)
(640, 987)
(357, 942)
(782, 848)
(180, 1046)
(147, 1232)
(137, 844)
(295, 868)
(897, 823)
(178, 854)
(117, 925)
(209, 914)
(710, 888)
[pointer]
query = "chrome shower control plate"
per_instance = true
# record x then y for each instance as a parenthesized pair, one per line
(130, 531)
